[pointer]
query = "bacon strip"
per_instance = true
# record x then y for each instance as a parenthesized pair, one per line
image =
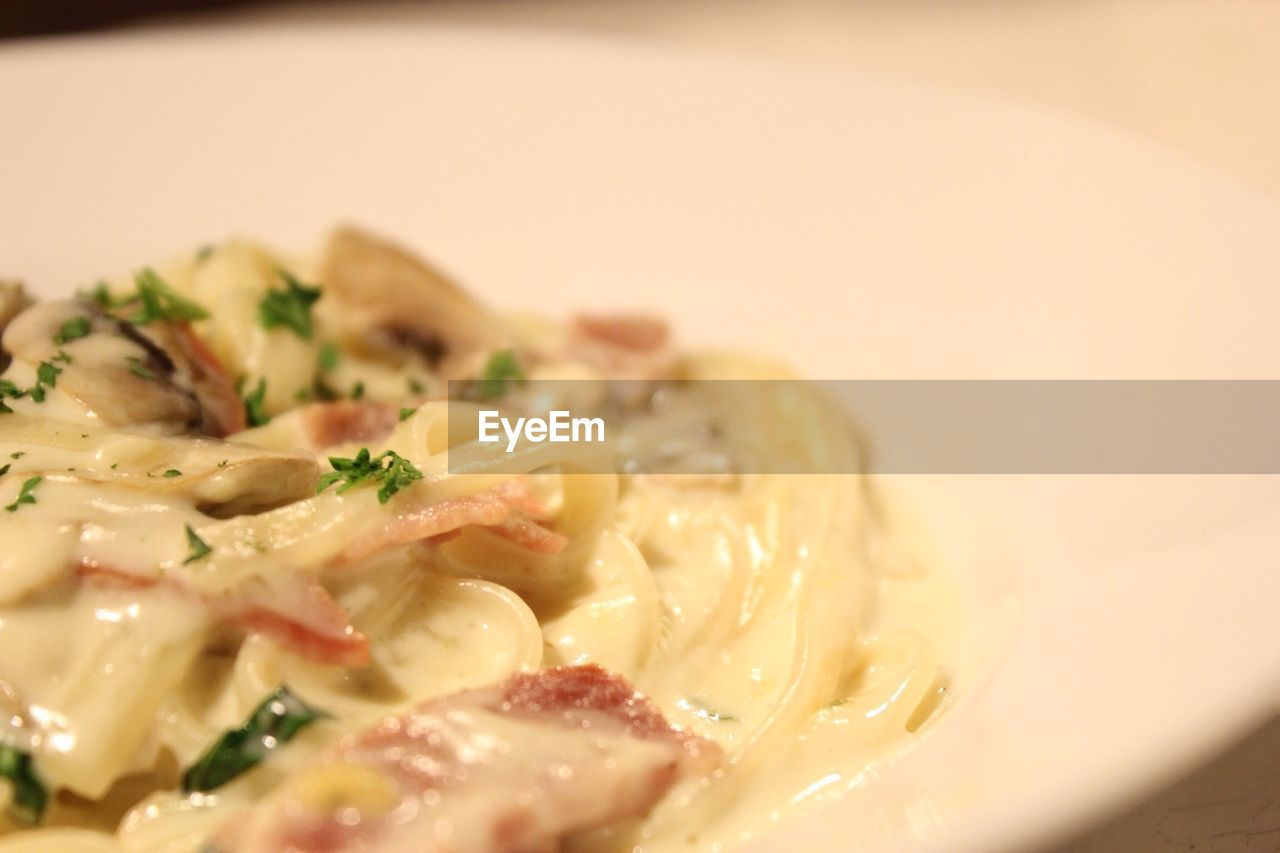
(344, 421)
(634, 332)
(492, 510)
(622, 347)
(514, 767)
(296, 612)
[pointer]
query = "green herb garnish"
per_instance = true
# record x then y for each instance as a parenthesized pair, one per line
(8, 389)
(253, 403)
(500, 372)
(357, 391)
(199, 548)
(4, 469)
(405, 414)
(29, 794)
(25, 494)
(416, 386)
(329, 357)
(158, 301)
(173, 472)
(101, 295)
(4, 408)
(72, 330)
(397, 473)
(137, 368)
(46, 377)
(272, 724)
(289, 306)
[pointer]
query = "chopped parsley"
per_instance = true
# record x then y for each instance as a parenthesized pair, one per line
(4, 408)
(289, 306)
(25, 494)
(101, 295)
(329, 357)
(158, 301)
(500, 372)
(405, 414)
(73, 330)
(29, 795)
(62, 357)
(416, 386)
(173, 472)
(46, 377)
(199, 548)
(4, 469)
(271, 725)
(17, 454)
(395, 475)
(253, 403)
(357, 391)
(138, 369)
(8, 389)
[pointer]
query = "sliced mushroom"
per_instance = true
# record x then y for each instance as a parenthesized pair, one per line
(13, 300)
(222, 478)
(160, 375)
(407, 308)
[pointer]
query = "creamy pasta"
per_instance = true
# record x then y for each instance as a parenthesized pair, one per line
(248, 601)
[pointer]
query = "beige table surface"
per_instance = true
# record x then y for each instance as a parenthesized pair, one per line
(1199, 75)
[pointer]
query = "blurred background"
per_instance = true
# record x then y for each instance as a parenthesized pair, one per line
(1199, 76)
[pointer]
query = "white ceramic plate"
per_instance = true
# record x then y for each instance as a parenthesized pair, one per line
(1122, 627)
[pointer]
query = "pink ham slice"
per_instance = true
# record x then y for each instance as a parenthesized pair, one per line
(294, 610)
(507, 511)
(327, 425)
(515, 767)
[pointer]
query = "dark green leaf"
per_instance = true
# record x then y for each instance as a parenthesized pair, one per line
(74, 329)
(47, 373)
(158, 301)
(405, 414)
(199, 548)
(500, 372)
(25, 494)
(289, 306)
(101, 295)
(272, 724)
(173, 472)
(29, 795)
(357, 391)
(394, 475)
(253, 403)
(330, 356)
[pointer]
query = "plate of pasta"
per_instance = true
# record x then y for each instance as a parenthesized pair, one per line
(263, 587)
